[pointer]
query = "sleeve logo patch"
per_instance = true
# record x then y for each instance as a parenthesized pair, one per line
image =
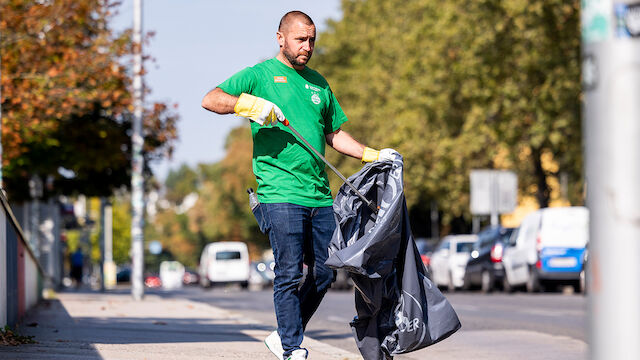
(280, 79)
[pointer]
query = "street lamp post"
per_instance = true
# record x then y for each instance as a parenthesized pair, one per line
(137, 161)
(611, 113)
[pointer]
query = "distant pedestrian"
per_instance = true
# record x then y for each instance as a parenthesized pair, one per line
(295, 199)
(77, 263)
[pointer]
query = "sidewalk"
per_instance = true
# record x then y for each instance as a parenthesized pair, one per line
(90, 325)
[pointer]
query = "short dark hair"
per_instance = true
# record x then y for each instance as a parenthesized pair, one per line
(295, 14)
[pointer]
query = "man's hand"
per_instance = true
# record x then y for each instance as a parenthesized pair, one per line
(369, 155)
(262, 111)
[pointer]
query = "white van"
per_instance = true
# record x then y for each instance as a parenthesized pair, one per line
(549, 245)
(171, 274)
(224, 262)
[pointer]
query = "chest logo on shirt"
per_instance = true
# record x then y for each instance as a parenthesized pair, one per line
(280, 79)
(315, 98)
(312, 88)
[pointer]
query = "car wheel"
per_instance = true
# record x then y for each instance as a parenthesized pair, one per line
(204, 282)
(506, 287)
(486, 285)
(582, 283)
(466, 283)
(533, 282)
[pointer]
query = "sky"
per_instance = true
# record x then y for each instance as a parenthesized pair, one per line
(197, 45)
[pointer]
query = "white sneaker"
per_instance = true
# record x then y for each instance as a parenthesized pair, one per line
(300, 354)
(274, 344)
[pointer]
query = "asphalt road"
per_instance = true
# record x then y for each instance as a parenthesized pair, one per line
(553, 325)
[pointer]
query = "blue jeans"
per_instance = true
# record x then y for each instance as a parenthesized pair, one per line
(297, 233)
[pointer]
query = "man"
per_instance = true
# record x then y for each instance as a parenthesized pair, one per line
(77, 263)
(293, 188)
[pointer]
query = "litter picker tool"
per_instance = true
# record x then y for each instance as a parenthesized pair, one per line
(369, 203)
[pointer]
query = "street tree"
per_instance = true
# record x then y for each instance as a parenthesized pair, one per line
(460, 85)
(66, 99)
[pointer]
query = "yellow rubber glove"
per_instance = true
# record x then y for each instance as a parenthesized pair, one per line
(370, 155)
(262, 111)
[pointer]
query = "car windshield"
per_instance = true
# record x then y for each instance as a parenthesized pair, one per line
(227, 255)
(504, 237)
(464, 247)
(444, 245)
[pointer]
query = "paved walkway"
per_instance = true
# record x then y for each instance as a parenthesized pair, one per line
(89, 325)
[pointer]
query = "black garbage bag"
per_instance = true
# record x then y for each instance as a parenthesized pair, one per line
(398, 308)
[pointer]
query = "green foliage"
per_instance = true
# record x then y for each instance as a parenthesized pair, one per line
(120, 229)
(67, 100)
(121, 213)
(459, 85)
(221, 212)
(180, 183)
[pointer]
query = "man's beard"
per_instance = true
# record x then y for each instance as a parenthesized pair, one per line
(293, 59)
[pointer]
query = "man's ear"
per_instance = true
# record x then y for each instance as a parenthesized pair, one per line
(280, 38)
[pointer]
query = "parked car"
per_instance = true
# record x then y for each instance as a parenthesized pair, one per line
(261, 274)
(224, 262)
(152, 281)
(123, 275)
(484, 268)
(190, 277)
(449, 260)
(583, 274)
(425, 250)
(171, 274)
(549, 246)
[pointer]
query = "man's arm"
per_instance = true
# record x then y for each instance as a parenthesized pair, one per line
(219, 101)
(248, 106)
(344, 143)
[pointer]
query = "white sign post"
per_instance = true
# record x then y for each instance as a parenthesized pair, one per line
(493, 192)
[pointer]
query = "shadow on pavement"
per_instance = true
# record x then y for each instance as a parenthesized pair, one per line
(84, 324)
(321, 335)
(49, 323)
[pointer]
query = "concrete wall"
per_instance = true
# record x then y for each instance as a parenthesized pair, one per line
(32, 288)
(21, 282)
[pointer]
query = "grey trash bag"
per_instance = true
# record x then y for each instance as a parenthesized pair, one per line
(399, 309)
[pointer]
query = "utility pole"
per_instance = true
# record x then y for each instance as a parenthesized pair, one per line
(109, 267)
(102, 242)
(611, 113)
(137, 161)
(1, 186)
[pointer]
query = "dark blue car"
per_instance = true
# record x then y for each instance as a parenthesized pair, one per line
(484, 268)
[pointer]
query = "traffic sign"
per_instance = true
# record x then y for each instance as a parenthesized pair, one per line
(493, 192)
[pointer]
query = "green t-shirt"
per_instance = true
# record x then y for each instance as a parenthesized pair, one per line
(286, 170)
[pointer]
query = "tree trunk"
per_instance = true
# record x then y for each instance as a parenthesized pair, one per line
(543, 192)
